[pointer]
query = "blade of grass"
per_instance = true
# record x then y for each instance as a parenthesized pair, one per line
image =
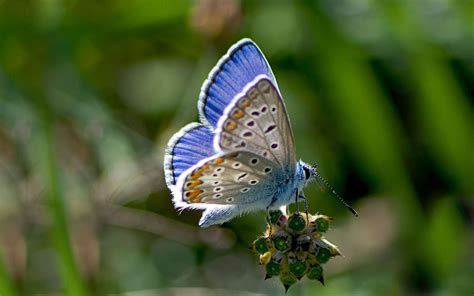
(74, 284)
(6, 286)
(43, 164)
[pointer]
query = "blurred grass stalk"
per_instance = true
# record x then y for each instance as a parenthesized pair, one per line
(6, 285)
(444, 118)
(439, 103)
(443, 115)
(73, 283)
(365, 116)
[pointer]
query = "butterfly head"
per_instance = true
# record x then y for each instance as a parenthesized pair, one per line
(307, 173)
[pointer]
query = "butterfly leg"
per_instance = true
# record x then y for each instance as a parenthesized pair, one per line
(296, 201)
(303, 197)
(218, 215)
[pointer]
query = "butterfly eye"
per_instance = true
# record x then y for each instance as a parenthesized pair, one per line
(307, 173)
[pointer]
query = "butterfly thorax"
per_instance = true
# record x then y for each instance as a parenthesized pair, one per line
(289, 186)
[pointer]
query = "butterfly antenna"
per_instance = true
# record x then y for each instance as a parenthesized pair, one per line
(354, 212)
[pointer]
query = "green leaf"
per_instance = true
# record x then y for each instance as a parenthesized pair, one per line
(444, 239)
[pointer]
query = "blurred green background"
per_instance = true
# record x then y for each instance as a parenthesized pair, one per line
(380, 96)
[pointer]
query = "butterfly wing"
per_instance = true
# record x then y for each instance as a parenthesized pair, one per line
(257, 121)
(234, 178)
(252, 151)
(186, 148)
(243, 62)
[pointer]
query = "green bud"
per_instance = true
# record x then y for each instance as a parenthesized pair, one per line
(296, 222)
(297, 268)
(281, 242)
(275, 216)
(315, 273)
(287, 279)
(322, 225)
(323, 255)
(261, 245)
(272, 268)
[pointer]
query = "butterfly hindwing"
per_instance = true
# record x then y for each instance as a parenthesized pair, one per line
(186, 148)
(243, 62)
(256, 121)
(228, 179)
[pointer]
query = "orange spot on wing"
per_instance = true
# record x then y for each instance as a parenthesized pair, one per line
(237, 114)
(230, 125)
(193, 184)
(219, 160)
(202, 169)
(192, 195)
(196, 175)
(253, 94)
(244, 103)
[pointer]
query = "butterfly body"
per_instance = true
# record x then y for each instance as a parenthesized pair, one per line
(241, 157)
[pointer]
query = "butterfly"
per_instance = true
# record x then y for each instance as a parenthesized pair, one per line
(241, 157)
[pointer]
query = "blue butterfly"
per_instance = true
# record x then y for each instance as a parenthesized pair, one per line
(241, 157)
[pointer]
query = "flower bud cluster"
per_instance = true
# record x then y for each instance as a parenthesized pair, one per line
(293, 247)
